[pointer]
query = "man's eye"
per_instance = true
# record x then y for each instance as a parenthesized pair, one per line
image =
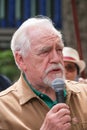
(44, 53)
(59, 51)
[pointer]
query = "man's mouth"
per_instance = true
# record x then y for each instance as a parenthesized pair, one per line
(55, 70)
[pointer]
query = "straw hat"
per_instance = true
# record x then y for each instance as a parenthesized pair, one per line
(71, 55)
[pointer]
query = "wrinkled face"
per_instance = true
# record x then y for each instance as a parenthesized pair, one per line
(44, 61)
(70, 70)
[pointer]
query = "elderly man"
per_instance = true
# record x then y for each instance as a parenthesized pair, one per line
(30, 103)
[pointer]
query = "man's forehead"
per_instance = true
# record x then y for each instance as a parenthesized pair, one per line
(46, 45)
(42, 37)
(46, 40)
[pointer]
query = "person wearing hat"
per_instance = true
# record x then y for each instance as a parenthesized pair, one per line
(73, 64)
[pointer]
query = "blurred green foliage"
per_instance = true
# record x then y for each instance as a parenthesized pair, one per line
(8, 66)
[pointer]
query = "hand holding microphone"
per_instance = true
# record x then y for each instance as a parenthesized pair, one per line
(59, 116)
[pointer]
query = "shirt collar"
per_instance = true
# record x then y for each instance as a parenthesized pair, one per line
(44, 97)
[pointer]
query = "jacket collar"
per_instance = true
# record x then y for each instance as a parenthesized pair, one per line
(72, 88)
(25, 93)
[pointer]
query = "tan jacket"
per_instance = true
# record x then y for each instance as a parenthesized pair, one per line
(77, 100)
(21, 109)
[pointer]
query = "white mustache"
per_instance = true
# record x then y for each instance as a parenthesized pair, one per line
(54, 66)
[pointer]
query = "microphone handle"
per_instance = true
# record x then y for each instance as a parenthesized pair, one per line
(60, 96)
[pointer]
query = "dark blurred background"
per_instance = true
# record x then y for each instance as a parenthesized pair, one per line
(69, 16)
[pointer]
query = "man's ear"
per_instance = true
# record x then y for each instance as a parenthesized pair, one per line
(20, 61)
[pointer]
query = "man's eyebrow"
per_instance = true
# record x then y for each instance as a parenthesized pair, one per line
(45, 48)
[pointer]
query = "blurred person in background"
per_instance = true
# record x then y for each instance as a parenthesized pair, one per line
(73, 64)
(5, 82)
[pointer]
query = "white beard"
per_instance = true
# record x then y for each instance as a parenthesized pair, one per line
(48, 81)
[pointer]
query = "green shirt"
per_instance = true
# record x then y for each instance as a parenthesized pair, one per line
(44, 97)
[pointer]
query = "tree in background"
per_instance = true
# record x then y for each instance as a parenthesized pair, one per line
(8, 66)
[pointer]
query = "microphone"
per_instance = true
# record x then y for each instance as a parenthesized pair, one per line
(58, 85)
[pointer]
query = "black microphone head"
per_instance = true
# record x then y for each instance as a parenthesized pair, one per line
(58, 84)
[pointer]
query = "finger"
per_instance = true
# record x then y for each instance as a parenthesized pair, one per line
(65, 119)
(67, 126)
(58, 107)
(62, 112)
